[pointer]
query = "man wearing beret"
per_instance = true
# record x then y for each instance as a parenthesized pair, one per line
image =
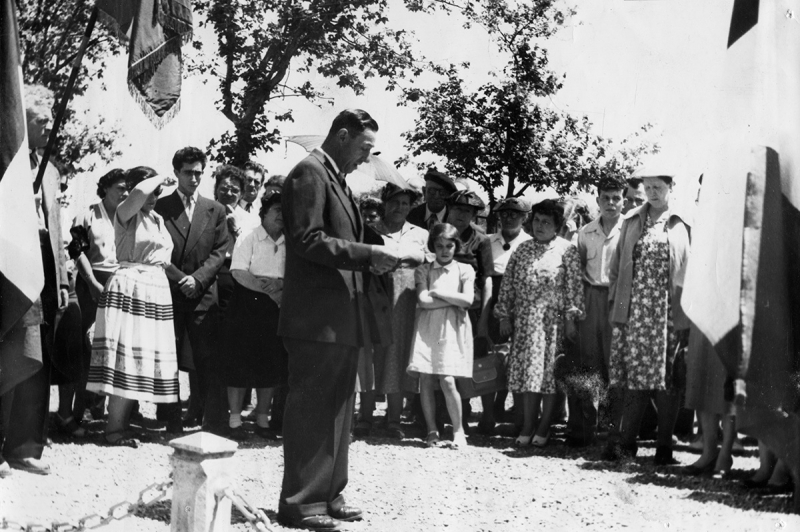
(438, 187)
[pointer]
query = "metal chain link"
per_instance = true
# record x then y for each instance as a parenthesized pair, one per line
(255, 516)
(148, 496)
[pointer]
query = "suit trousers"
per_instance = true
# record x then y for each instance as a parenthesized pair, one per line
(590, 370)
(201, 328)
(316, 427)
(24, 410)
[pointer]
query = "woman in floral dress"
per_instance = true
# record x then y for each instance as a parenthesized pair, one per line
(646, 275)
(541, 296)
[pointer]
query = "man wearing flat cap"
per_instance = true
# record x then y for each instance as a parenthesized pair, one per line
(438, 187)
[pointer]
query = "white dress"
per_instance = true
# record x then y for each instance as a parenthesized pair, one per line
(442, 336)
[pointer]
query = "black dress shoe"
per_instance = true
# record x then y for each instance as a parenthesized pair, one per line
(175, 426)
(31, 465)
(320, 523)
(664, 456)
(347, 514)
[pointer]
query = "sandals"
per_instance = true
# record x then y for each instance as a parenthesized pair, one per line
(121, 438)
(432, 439)
(523, 441)
(70, 427)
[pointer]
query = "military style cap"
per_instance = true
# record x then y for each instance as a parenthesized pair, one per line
(513, 204)
(442, 179)
(466, 197)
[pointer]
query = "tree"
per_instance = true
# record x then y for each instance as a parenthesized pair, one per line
(501, 133)
(260, 40)
(50, 34)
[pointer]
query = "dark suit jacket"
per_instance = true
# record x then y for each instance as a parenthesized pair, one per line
(323, 291)
(416, 216)
(199, 246)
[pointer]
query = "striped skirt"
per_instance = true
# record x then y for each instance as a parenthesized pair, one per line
(133, 351)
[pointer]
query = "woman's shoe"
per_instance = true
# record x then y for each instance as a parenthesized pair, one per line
(777, 489)
(432, 439)
(395, 431)
(70, 427)
(721, 473)
(523, 441)
(120, 438)
(695, 470)
(541, 441)
(459, 441)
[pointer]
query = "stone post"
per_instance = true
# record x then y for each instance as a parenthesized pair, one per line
(199, 465)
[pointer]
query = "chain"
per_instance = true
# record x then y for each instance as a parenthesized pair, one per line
(255, 516)
(148, 496)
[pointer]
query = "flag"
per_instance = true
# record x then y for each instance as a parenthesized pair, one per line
(21, 271)
(742, 286)
(154, 31)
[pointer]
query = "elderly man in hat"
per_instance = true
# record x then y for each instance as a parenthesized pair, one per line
(438, 187)
(513, 212)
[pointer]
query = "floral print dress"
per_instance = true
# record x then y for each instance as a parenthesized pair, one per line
(643, 349)
(542, 285)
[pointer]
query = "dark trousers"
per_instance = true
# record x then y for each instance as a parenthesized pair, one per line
(201, 328)
(24, 410)
(316, 426)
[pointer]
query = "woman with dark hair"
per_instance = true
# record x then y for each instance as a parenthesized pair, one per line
(371, 210)
(390, 362)
(94, 252)
(541, 296)
(646, 275)
(256, 356)
(133, 353)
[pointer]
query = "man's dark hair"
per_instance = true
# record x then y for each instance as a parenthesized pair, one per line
(355, 121)
(275, 181)
(371, 202)
(550, 208)
(611, 183)
(117, 174)
(188, 155)
(228, 171)
(634, 182)
(256, 168)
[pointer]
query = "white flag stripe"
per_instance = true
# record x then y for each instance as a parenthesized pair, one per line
(20, 262)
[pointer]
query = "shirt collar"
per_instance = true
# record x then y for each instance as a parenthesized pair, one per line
(595, 227)
(439, 215)
(326, 157)
(261, 234)
(449, 266)
(184, 196)
(498, 237)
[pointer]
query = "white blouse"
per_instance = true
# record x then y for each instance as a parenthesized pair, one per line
(257, 253)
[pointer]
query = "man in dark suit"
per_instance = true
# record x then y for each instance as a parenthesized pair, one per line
(200, 234)
(438, 187)
(323, 322)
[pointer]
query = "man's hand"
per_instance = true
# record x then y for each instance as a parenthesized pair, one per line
(271, 286)
(383, 259)
(189, 286)
(63, 298)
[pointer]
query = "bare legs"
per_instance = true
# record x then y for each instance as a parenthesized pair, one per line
(236, 401)
(538, 411)
(119, 414)
(451, 396)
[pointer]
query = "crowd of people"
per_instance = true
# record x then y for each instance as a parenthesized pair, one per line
(589, 312)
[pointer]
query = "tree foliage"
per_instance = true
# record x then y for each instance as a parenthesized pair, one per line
(262, 41)
(503, 133)
(50, 34)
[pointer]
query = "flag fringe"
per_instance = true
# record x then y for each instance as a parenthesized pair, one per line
(158, 121)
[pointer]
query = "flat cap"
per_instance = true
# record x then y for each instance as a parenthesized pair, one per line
(513, 204)
(466, 197)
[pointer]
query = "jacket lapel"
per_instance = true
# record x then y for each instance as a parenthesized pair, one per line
(347, 199)
(200, 217)
(176, 214)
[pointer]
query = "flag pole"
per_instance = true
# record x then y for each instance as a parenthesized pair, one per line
(62, 105)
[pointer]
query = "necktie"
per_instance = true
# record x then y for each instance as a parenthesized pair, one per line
(248, 206)
(189, 203)
(432, 220)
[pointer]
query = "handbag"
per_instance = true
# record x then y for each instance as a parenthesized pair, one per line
(488, 374)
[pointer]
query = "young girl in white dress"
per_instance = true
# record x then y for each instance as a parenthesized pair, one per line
(443, 333)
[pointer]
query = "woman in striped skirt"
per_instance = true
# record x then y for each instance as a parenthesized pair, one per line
(133, 353)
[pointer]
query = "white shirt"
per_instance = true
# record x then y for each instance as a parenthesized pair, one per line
(596, 250)
(190, 208)
(257, 253)
(500, 256)
(328, 158)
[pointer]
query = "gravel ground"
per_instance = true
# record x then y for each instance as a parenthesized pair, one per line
(402, 486)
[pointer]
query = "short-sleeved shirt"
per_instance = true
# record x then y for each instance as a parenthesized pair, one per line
(102, 253)
(143, 239)
(257, 253)
(500, 256)
(596, 249)
(412, 240)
